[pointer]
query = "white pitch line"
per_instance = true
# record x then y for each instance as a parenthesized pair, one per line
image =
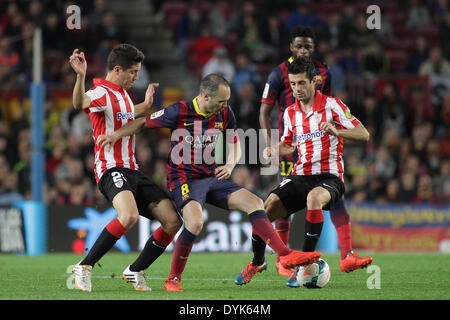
(158, 278)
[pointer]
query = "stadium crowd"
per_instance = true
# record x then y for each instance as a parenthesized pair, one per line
(406, 161)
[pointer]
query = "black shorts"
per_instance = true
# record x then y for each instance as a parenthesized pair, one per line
(119, 179)
(294, 190)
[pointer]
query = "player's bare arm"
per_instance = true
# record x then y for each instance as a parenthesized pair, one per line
(358, 133)
(78, 63)
(264, 121)
(143, 109)
(224, 172)
(281, 150)
(108, 140)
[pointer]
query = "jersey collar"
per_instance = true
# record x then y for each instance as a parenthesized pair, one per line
(317, 102)
(104, 82)
(197, 109)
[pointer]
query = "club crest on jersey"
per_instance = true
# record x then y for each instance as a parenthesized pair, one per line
(125, 116)
(348, 114)
(118, 179)
(218, 125)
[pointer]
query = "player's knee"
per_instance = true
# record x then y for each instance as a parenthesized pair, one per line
(315, 200)
(129, 219)
(172, 224)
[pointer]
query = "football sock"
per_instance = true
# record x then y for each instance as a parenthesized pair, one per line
(313, 228)
(183, 247)
(263, 228)
(282, 227)
(341, 220)
(107, 239)
(153, 248)
(259, 249)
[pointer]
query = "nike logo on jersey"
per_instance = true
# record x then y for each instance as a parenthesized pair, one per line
(311, 234)
(188, 124)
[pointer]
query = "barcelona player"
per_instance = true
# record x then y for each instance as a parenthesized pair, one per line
(278, 90)
(193, 178)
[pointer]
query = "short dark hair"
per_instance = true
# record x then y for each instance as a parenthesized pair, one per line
(303, 65)
(124, 55)
(210, 84)
(301, 31)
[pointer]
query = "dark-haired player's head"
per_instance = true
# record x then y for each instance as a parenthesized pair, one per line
(301, 41)
(215, 92)
(301, 74)
(123, 63)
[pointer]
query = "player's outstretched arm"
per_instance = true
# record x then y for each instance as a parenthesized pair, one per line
(108, 140)
(78, 63)
(143, 109)
(264, 121)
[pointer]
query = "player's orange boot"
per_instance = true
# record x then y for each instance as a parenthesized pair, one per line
(298, 258)
(282, 271)
(352, 262)
(248, 272)
(173, 285)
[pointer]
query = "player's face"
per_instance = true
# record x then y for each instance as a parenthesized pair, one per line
(214, 104)
(129, 76)
(302, 47)
(302, 88)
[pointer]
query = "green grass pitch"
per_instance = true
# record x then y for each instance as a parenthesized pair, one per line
(209, 276)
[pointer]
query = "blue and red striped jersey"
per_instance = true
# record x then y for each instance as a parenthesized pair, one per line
(278, 88)
(193, 139)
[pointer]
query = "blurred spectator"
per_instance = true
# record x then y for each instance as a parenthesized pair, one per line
(418, 14)
(425, 194)
(348, 60)
(109, 33)
(391, 110)
(189, 26)
(245, 72)
(203, 48)
(374, 61)
(248, 104)
(418, 56)
(407, 187)
(384, 164)
(435, 65)
(274, 38)
(219, 19)
(336, 71)
(393, 191)
(302, 15)
(220, 64)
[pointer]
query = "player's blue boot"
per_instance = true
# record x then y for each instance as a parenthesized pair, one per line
(249, 271)
(292, 281)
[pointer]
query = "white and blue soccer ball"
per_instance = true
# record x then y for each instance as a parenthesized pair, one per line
(315, 275)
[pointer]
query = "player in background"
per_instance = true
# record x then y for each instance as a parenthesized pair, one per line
(278, 89)
(193, 177)
(315, 125)
(118, 177)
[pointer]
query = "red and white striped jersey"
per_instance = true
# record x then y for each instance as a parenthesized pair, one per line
(318, 152)
(111, 108)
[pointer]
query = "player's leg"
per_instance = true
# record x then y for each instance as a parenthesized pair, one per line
(341, 219)
(127, 211)
(193, 224)
(317, 198)
(164, 212)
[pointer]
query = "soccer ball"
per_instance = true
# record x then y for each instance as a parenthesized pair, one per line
(316, 275)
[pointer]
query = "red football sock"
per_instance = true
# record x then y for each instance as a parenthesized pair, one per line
(116, 228)
(262, 226)
(162, 237)
(341, 220)
(183, 247)
(282, 227)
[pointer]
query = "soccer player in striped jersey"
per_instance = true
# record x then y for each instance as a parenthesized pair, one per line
(193, 177)
(278, 90)
(117, 173)
(315, 125)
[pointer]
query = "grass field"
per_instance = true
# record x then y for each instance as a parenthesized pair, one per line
(209, 276)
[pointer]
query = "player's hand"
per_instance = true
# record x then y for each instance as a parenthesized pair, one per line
(149, 94)
(78, 62)
(329, 128)
(270, 153)
(106, 140)
(224, 172)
